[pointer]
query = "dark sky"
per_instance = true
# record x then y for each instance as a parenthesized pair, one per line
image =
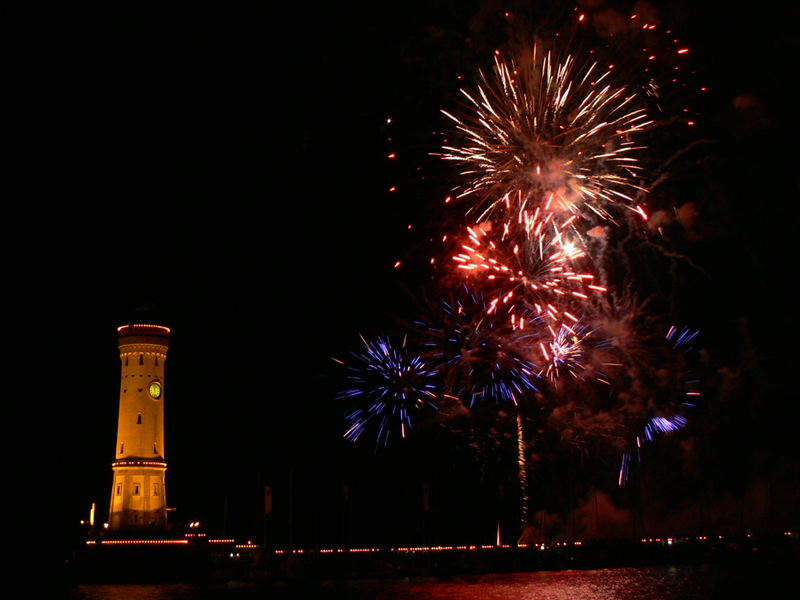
(224, 174)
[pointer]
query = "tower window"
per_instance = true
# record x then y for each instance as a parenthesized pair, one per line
(156, 360)
(119, 490)
(126, 361)
(155, 489)
(122, 448)
(135, 489)
(139, 419)
(141, 359)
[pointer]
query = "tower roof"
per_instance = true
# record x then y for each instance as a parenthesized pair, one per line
(141, 332)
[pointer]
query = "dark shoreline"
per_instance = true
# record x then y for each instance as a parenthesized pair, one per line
(202, 563)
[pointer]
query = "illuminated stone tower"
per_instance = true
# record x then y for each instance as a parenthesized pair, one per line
(138, 494)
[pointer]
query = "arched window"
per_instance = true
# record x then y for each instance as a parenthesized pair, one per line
(141, 359)
(139, 419)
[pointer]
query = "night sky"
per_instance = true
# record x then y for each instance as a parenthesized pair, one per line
(224, 173)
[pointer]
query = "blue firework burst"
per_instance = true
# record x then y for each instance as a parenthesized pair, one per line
(390, 385)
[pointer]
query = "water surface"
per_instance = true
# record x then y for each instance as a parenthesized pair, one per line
(640, 583)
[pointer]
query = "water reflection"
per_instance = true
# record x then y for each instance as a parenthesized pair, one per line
(652, 583)
(134, 592)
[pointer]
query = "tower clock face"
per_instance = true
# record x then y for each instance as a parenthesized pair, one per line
(155, 390)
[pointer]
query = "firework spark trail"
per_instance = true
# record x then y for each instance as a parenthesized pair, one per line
(682, 341)
(558, 133)
(393, 384)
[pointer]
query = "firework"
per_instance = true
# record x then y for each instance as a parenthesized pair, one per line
(485, 361)
(549, 133)
(391, 385)
(566, 352)
(551, 153)
(481, 358)
(534, 270)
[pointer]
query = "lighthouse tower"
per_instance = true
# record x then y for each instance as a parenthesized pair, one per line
(138, 498)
